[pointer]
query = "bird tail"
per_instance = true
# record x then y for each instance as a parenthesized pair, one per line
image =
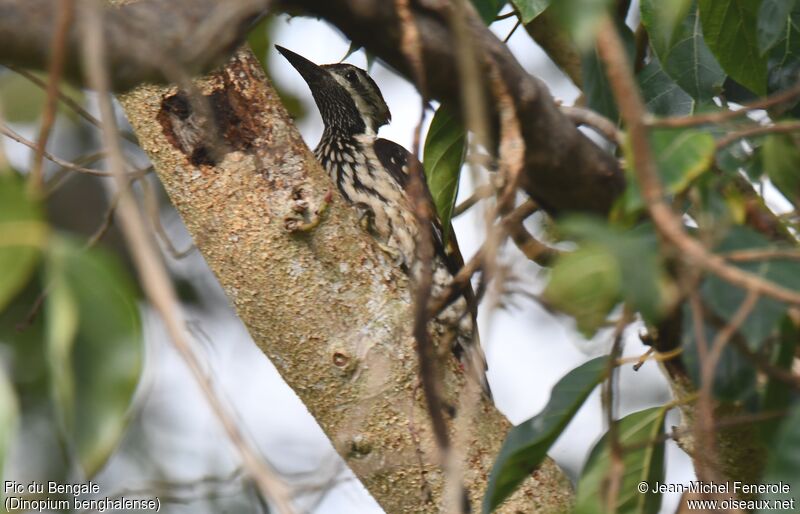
(471, 355)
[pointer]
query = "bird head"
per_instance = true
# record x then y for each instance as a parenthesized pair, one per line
(347, 98)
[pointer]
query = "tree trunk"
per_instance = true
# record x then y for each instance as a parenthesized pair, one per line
(325, 305)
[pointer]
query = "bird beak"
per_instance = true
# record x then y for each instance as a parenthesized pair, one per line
(308, 70)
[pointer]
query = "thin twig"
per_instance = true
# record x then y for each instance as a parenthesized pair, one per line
(531, 247)
(718, 117)
(66, 100)
(777, 128)
(423, 267)
(11, 134)
(516, 26)
(705, 402)
(759, 254)
(505, 16)
(152, 209)
(464, 275)
(57, 52)
(617, 468)
(108, 219)
(481, 193)
(152, 273)
(605, 127)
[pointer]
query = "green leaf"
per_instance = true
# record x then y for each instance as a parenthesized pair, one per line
(773, 15)
(9, 414)
(22, 101)
(586, 285)
(260, 41)
(734, 375)
(581, 18)
(487, 9)
(643, 462)
(781, 160)
(23, 232)
(638, 260)
(783, 64)
(596, 89)
(725, 299)
(93, 348)
(682, 155)
(738, 157)
(784, 461)
(526, 444)
(443, 156)
(778, 394)
(729, 27)
(663, 96)
(687, 58)
(530, 9)
(664, 20)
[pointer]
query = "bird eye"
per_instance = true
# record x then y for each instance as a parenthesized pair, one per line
(351, 76)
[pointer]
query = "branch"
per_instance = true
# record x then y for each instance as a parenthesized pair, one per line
(760, 130)
(145, 40)
(563, 169)
(721, 116)
(325, 305)
(153, 41)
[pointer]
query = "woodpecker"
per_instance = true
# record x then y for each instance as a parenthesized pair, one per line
(372, 174)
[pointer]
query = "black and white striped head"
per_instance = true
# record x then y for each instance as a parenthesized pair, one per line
(348, 99)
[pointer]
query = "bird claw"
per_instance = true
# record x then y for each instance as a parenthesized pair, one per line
(297, 222)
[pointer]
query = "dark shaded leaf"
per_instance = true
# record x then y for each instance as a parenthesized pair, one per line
(664, 21)
(783, 465)
(783, 64)
(22, 234)
(773, 15)
(729, 27)
(596, 89)
(93, 347)
(663, 96)
(683, 53)
(443, 156)
(526, 444)
(734, 158)
(725, 299)
(734, 375)
(488, 9)
(640, 431)
(781, 160)
(530, 9)
(778, 394)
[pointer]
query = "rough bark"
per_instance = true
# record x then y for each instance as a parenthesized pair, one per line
(146, 41)
(324, 305)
